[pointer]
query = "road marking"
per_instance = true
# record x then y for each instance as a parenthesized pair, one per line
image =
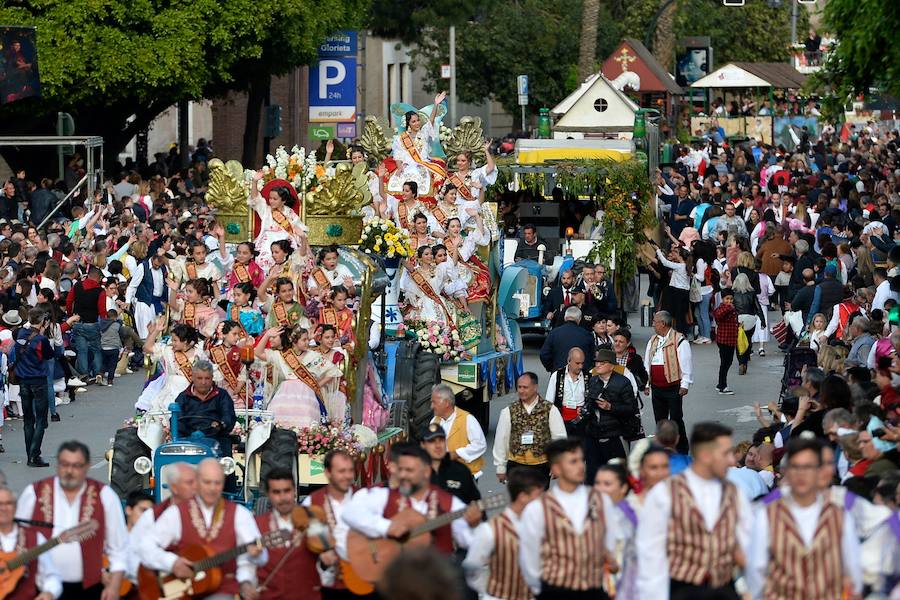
(741, 414)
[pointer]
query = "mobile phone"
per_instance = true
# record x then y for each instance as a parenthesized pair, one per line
(878, 433)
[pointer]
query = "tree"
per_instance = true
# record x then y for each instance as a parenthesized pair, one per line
(587, 49)
(530, 37)
(116, 65)
(867, 55)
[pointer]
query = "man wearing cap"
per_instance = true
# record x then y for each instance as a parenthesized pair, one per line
(465, 438)
(610, 401)
(446, 473)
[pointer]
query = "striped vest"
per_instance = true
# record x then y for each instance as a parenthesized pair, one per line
(698, 556)
(458, 437)
(797, 572)
(505, 579)
(571, 561)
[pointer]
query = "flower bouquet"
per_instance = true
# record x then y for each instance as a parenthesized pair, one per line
(296, 167)
(384, 238)
(326, 436)
(441, 340)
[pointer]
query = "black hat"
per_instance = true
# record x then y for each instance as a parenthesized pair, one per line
(433, 431)
(604, 355)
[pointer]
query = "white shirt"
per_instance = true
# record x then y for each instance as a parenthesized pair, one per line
(477, 445)
(137, 276)
(653, 529)
(365, 515)
(806, 519)
(477, 561)
(679, 279)
(532, 529)
(47, 576)
(327, 576)
(573, 390)
(882, 294)
(67, 557)
(504, 426)
(167, 531)
(653, 355)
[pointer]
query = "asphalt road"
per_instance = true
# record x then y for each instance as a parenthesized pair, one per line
(96, 415)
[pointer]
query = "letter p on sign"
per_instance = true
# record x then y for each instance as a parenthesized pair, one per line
(331, 72)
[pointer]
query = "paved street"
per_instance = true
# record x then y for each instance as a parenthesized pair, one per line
(96, 415)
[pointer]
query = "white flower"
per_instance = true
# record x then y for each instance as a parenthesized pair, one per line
(266, 170)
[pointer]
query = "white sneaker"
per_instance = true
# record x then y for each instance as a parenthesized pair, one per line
(118, 375)
(80, 390)
(69, 353)
(129, 370)
(726, 392)
(75, 382)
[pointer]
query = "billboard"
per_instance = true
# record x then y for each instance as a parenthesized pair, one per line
(19, 76)
(332, 80)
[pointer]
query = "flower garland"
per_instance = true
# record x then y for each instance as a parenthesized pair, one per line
(325, 436)
(384, 238)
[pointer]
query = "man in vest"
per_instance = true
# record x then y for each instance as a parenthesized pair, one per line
(492, 563)
(370, 513)
(334, 499)
(695, 527)
(291, 570)
(668, 358)
(447, 474)
(840, 318)
(567, 536)
(41, 580)
(181, 480)
(210, 520)
(524, 429)
(465, 438)
(68, 499)
(147, 292)
(802, 545)
(567, 387)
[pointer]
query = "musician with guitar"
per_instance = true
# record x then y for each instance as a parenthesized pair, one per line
(186, 537)
(373, 513)
(68, 499)
(38, 578)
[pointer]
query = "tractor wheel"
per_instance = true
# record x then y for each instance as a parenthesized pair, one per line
(417, 371)
(279, 452)
(127, 447)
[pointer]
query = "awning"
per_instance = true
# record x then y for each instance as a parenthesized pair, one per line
(750, 75)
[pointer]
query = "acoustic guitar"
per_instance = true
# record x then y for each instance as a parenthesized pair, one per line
(369, 557)
(207, 570)
(13, 565)
(125, 586)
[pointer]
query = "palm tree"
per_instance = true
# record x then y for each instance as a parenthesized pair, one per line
(664, 38)
(590, 14)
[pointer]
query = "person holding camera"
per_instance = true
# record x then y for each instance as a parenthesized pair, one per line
(610, 401)
(31, 360)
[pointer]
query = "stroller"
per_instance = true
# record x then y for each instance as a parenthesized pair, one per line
(795, 359)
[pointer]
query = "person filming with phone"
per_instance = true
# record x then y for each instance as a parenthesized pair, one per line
(30, 361)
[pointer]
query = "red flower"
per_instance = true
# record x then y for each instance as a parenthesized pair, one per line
(338, 358)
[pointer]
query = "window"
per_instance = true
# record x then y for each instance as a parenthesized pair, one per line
(600, 105)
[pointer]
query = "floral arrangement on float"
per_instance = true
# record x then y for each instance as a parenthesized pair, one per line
(441, 340)
(383, 238)
(326, 436)
(296, 167)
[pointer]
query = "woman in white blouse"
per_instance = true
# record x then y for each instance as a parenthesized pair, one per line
(675, 297)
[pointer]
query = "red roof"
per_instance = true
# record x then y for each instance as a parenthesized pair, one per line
(631, 55)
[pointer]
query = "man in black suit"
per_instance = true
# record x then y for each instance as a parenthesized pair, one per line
(555, 351)
(609, 401)
(560, 296)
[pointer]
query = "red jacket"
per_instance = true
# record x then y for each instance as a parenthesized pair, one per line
(87, 284)
(726, 324)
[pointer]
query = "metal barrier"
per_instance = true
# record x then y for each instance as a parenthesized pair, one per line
(72, 193)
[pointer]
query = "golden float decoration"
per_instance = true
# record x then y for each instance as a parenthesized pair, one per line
(227, 194)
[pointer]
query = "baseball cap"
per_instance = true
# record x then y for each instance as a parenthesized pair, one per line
(433, 431)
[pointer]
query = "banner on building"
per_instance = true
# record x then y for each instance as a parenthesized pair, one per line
(19, 77)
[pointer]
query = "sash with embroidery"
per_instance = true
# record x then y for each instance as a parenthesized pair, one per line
(293, 362)
(328, 316)
(403, 215)
(321, 278)
(426, 288)
(281, 313)
(441, 216)
(410, 145)
(189, 317)
(461, 188)
(184, 364)
(234, 313)
(191, 270)
(220, 356)
(242, 273)
(282, 221)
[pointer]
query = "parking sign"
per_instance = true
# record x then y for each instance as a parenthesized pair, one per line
(332, 80)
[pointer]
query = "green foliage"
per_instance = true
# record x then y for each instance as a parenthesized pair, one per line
(867, 54)
(530, 37)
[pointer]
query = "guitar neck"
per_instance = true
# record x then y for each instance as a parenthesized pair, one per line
(444, 519)
(29, 555)
(220, 558)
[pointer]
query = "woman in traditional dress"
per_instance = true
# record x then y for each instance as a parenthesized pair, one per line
(402, 210)
(420, 236)
(454, 281)
(174, 359)
(336, 313)
(245, 269)
(243, 311)
(412, 151)
(229, 372)
(329, 273)
(462, 251)
(193, 306)
(470, 182)
(420, 284)
(278, 220)
(281, 307)
(296, 398)
(332, 360)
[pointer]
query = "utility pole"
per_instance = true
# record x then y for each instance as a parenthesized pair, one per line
(452, 75)
(793, 22)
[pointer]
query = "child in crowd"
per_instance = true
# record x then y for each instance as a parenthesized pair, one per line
(816, 329)
(726, 338)
(782, 281)
(110, 345)
(337, 314)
